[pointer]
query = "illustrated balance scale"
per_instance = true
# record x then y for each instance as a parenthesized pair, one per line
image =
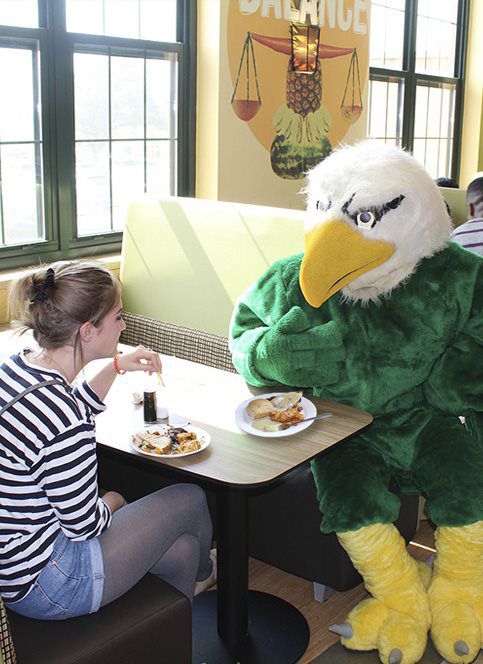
(246, 107)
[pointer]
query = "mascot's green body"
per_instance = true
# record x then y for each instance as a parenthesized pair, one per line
(403, 341)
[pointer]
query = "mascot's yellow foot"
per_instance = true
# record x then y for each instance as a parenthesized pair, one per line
(456, 593)
(395, 620)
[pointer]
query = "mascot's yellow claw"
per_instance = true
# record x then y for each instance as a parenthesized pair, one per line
(395, 657)
(461, 648)
(342, 629)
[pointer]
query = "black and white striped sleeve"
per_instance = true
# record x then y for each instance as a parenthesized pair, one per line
(68, 475)
(86, 394)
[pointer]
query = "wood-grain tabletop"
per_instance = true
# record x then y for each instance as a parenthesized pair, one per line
(207, 398)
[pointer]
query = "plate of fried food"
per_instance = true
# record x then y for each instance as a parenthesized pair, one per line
(164, 441)
(276, 414)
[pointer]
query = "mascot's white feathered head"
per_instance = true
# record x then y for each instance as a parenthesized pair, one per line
(373, 213)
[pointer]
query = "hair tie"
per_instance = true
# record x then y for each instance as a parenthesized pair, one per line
(44, 288)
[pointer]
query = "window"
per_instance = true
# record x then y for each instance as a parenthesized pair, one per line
(97, 109)
(417, 55)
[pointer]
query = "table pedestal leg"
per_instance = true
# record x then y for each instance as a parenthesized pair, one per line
(232, 542)
(235, 625)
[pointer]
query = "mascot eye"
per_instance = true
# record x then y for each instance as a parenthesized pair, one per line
(365, 218)
(323, 206)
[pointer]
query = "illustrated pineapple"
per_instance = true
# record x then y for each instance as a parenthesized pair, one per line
(304, 91)
(302, 125)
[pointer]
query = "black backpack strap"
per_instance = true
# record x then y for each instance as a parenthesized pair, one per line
(31, 388)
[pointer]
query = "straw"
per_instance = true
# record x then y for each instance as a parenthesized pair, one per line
(160, 379)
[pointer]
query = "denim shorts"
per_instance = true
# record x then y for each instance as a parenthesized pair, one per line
(70, 584)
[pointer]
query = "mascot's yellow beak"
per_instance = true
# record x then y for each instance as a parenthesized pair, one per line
(336, 254)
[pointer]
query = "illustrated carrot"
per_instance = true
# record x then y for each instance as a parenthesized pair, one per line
(284, 45)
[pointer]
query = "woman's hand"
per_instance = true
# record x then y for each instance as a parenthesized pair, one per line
(114, 500)
(140, 359)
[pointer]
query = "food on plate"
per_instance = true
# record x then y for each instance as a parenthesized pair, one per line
(173, 440)
(187, 441)
(286, 400)
(276, 413)
(153, 441)
(289, 416)
(259, 408)
(266, 424)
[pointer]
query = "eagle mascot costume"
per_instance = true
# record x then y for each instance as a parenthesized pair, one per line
(383, 312)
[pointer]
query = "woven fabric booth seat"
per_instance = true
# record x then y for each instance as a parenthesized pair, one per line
(183, 342)
(150, 624)
(7, 649)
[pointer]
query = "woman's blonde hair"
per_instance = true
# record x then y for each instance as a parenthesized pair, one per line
(55, 300)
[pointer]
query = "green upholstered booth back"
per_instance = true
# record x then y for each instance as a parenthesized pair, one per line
(186, 260)
(456, 199)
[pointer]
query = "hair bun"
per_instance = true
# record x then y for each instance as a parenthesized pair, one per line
(44, 288)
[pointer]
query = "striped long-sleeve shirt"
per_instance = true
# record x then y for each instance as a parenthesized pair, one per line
(470, 235)
(48, 471)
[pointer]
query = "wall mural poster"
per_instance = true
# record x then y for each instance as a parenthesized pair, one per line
(298, 116)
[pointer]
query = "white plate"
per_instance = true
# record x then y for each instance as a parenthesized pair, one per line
(202, 435)
(245, 423)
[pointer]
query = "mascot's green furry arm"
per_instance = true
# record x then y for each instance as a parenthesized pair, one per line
(403, 340)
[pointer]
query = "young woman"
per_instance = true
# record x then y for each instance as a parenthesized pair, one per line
(64, 551)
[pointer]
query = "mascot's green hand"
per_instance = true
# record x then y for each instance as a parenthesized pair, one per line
(294, 352)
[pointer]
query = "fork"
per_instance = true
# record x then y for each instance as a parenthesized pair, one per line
(322, 416)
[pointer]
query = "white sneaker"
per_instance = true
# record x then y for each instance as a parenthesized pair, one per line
(200, 586)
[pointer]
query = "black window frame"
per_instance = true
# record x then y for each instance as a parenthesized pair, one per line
(57, 48)
(409, 78)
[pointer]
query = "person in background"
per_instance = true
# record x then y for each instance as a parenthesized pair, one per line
(470, 234)
(64, 550)
(447, 182)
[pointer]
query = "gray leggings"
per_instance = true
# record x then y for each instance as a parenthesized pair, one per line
(167, 533)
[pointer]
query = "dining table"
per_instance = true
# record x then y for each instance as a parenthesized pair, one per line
(232, 624)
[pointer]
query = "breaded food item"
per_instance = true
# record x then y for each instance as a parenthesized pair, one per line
(187, 445)
(186, 436)
(290, 416)
(286, 400)
(266, 424)
(153, 441)
(259, 408)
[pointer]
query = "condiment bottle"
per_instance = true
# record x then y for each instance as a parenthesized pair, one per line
(150, 402)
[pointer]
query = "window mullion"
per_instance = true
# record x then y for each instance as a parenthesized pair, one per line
(64, 113)
(173, 122)
(460, 73)
(145, 133)
(38, 139)
(187, 20)
(409, 60)
(109, 104)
